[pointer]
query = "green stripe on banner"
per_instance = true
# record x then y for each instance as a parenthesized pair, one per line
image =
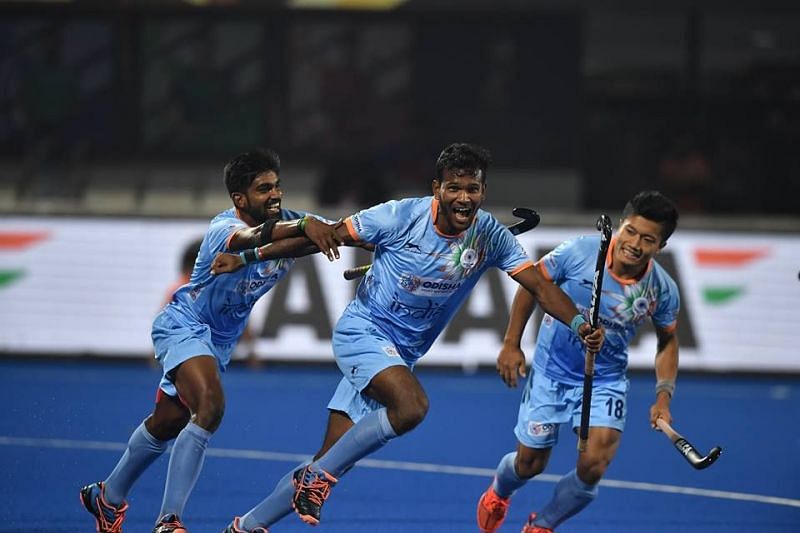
(718, 295)
(9, 276)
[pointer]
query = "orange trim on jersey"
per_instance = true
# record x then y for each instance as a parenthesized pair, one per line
(435, 214)
(623, 281)
(523, 266)
(348, 223)
(543, 269)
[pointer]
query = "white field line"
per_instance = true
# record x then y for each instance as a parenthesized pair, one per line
(258, 455)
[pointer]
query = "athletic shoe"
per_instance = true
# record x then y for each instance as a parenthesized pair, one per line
(531, 528)
(492, 510)
(170, 523)
(233, 527)
(311, 489)
(108, 518)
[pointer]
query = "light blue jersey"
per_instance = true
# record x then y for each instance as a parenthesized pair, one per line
(420, 277)
(418, 280)
(208, 315)
(624, 306)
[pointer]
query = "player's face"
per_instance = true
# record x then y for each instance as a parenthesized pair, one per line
(638, 241)
(264, 197)
(460, 193)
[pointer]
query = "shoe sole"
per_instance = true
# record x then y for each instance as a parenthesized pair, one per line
(308, 519)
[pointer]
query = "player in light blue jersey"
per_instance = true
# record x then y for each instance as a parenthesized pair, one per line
(635, 289)
(429, 253)
(194, 336)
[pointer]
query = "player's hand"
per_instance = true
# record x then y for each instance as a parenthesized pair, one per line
(660, 409)
(324, 236)
(224, 263)
(593, 339)
(510, 364)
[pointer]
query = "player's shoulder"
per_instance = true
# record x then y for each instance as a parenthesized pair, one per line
(661, 275)
(293, 214)
(227, 215)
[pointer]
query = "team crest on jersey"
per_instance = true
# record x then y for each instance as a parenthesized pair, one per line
(538, 429)
(636, 303)
(469, 258)
(409, 282)
(466, 254)
(391, 351)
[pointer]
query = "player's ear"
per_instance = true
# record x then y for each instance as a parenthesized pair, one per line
(436, 186)
(239, 200)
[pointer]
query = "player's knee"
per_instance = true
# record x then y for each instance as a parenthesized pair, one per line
(410, 414)
(528, 467)
(210, 410)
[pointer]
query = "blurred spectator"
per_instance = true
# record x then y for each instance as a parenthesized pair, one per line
(685, 174)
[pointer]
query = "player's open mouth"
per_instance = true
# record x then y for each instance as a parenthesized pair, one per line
(462, 214)
(273, 207)
(630, 254)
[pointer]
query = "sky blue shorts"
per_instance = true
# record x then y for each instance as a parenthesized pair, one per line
(546, 404)
(176, 340)
(361, 351)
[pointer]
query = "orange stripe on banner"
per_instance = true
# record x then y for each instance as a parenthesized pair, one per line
(17, 240)
(723, 257)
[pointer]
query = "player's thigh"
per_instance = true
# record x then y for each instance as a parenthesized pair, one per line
(363, 351)
(396, 386)
(545, 405)
(198, 382)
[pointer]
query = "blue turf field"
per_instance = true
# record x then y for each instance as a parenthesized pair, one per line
(66, 423)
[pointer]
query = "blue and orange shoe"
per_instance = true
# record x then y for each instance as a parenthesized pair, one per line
(234, 527)
(170, 523)
(530, 527)
(492, 511)
(108, 517)
(311, 489)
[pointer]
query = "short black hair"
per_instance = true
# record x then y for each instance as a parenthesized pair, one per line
(654, 206)
(240, 171)
(463, 156)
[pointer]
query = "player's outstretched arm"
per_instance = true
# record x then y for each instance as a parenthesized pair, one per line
(557, 304)
(511, 359)
(323, 236)
(666, 374)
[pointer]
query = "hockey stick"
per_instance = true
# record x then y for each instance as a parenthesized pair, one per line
(530, 219)
(686, 449)
(604, 227)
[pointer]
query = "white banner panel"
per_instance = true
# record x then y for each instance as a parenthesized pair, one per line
(92, 286)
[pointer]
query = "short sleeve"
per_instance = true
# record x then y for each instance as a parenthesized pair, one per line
(668, 307)
(381, 223)
(560, 261)
(220, 232)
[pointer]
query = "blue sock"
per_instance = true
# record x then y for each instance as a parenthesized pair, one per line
(275, 506)
(142, 450)
(506, 481)
(188, 454)
(366, 436)
(571, 495)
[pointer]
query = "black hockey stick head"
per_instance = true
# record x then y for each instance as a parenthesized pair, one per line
(530, 219)
(693, 457)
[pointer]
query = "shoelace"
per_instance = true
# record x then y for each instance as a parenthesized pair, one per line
(318, 490)
(119, 515)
